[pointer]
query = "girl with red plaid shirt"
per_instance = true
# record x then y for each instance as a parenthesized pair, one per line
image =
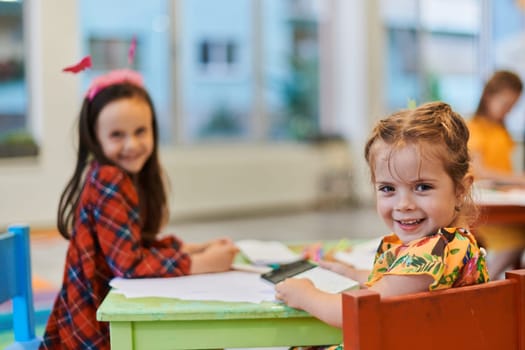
(112, 210)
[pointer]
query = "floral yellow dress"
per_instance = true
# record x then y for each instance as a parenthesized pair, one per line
(451, 256)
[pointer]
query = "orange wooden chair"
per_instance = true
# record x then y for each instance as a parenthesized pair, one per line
(483, 316)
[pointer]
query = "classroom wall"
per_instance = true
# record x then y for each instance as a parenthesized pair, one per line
(235, 180)
(205, 180)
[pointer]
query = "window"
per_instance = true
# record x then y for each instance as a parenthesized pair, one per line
(218, 71)
(291, 69)
(218, 56)
(15, 138)
(446, 49)
(107, 28)
(433, 52)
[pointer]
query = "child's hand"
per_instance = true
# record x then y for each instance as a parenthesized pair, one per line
(220, 240)
(193, 248)
(302, 294)
(217, 257)
(295, 292)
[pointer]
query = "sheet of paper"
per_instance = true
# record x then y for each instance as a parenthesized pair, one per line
(361, 256)
(231, 286)
(251, 268)
(266, 252)
(328, 281)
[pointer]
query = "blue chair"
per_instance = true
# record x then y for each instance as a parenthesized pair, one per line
(15, 274)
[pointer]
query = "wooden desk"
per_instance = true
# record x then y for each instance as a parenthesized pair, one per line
(502, 214)
(501, 207)
(159, 323)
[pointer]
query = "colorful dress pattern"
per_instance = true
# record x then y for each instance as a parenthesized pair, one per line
(451, 256)
(105, 243)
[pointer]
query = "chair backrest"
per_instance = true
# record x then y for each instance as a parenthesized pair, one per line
(483, 316)
(15, 274)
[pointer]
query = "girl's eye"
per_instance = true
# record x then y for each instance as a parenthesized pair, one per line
(140, 131)
(385, 188)
(115, 134)
(423, 187)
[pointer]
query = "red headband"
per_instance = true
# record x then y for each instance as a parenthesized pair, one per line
(117, 76)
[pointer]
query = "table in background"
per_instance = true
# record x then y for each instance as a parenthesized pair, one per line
(502, 214)
(501, 207)
(162, 323)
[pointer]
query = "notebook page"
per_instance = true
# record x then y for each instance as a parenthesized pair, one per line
(266, 252)
(328, 281)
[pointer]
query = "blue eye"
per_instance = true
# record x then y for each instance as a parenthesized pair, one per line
(423, 187)
(385, 188)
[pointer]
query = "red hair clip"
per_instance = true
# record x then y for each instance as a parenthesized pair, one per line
(84, 63)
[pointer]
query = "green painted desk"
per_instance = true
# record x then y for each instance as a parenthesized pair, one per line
(160, 323)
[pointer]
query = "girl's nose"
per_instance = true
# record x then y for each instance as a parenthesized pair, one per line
(404, 203)
(131, 142)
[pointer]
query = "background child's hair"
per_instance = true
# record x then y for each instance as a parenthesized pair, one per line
(148, 182)
(499, 81)
(433, 124)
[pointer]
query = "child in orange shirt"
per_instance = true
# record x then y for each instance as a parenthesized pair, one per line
(491, 147)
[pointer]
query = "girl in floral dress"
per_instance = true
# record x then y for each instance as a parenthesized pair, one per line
(419, 165)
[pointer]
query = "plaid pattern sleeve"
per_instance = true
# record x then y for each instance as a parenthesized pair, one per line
(105, 243)
(118, 229)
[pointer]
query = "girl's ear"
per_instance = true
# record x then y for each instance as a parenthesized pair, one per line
(464, 188)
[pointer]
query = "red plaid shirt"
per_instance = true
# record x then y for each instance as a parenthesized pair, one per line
(105, 243)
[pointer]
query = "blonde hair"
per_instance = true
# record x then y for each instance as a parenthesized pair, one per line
(432, 124)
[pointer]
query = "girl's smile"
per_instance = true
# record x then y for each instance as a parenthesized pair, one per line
(415, 195)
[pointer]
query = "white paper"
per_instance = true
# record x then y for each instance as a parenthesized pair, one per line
(328, 281)
(361, 256)
(231, 286)
(251, 268)
(492, 197)
(266, 252)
